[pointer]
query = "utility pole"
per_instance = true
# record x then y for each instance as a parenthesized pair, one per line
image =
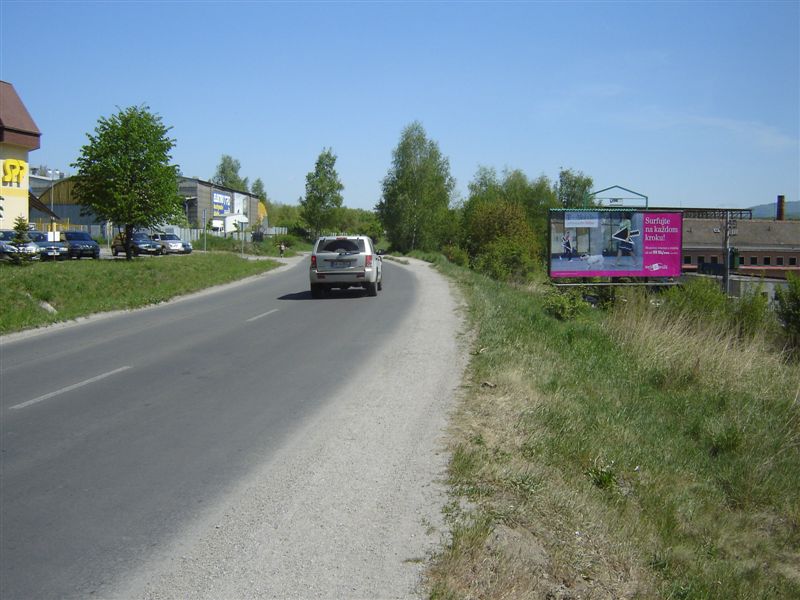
(730, 231)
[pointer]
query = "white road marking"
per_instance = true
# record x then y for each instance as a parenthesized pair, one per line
(69, 388)
(269, 312)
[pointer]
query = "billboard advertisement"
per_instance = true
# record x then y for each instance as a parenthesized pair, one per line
(615, 243)
(220, 204)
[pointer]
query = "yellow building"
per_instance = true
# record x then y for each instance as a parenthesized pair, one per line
(18, 136)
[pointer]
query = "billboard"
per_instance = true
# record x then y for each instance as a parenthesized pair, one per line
(220, 204)
(615, 243)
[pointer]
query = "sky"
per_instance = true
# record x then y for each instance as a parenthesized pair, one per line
(692, 104)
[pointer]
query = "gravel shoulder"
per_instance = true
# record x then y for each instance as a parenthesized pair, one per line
(350, 506)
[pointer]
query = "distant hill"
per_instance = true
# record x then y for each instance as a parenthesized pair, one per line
(768, 211)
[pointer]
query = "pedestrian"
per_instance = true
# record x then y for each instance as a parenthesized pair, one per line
(283, 249)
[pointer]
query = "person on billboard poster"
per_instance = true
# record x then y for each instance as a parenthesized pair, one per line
(623, 238)
(566, 244)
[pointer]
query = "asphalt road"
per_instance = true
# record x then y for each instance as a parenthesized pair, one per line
(124, 438)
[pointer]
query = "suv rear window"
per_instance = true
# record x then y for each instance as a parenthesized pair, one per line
(341, 246)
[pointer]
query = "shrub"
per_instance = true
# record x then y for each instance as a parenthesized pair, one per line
(701, 299)
(788, 309)
(506, 259)
(563, 305)
(456, 255)
(751, 314)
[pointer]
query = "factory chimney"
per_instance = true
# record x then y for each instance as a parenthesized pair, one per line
(781, 208)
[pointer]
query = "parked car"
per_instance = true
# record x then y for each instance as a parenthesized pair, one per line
(7, 236)
(47, 249)
(8, 251)
(80, 244)
(140, 244)
(343, 262)
(172, 244)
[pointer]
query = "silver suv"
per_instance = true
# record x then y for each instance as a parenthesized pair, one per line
(343, 262)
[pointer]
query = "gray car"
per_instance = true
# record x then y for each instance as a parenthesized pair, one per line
(172, 244)
(343, 262)
(9, 247)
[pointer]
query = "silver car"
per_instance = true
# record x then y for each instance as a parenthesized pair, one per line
(343, 262)
(172, 244)
(10, 247)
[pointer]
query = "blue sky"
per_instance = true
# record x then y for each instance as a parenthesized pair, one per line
(691, 104)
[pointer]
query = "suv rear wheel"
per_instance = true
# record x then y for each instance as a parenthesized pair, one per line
(372, 289)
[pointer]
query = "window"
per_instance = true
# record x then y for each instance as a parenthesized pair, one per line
(741, 260)
(714, 260)
(341, 245)
(767, 261)
(687, 260)
(701, 260)
(779, 261)
(793, 261)
(753, 260)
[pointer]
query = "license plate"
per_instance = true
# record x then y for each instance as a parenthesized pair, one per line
(340, 264)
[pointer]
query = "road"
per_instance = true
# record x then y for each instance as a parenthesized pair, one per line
(248, 442)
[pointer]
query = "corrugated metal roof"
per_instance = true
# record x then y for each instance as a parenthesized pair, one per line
(756, 233)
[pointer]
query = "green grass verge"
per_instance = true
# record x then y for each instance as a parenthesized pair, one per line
(269, 247)
(83, 287)
(619, 454)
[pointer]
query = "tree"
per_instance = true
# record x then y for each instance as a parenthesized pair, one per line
(227, 174)
(259, 191)
(573, 188)
(124, 175)
(21, 238)
(416, 193)
(323, 194)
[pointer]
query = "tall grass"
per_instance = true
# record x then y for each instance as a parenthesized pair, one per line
(643, 452)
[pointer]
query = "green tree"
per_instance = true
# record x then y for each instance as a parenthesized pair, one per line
(573, 188)
(416, 193)
(259, 191)
(360, 221)
(124, 175)
(21, 238)
(227, 174)
(323, 196)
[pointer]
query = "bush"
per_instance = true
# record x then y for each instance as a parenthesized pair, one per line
(506, 259)
(788, 309)
(456, 255)
(751, 314)
(701, 299)
(563, 305)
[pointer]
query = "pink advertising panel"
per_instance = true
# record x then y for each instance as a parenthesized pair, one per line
(615, 243)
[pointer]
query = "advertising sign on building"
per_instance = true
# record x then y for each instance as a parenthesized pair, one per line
(239, 203)
(220, 204)
(615, 243)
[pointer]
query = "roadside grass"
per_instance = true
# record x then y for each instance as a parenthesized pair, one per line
(80, 288)
(269, 247)
(621, 454)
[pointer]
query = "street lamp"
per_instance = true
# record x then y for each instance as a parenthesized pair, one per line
(53, 177)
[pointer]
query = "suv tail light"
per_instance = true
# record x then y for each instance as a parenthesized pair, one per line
(368, 261)
(313, 262)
